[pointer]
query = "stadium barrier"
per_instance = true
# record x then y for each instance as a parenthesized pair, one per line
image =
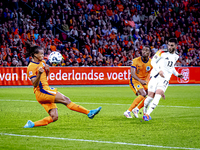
(89, 76)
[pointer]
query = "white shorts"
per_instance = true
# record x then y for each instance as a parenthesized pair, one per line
(157, 82)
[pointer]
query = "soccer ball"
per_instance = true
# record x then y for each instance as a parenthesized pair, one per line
(55, 57)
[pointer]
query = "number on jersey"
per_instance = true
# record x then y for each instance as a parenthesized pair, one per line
(170, 63)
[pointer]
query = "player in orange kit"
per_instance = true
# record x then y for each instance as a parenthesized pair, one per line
(38, 71)
(140, 70)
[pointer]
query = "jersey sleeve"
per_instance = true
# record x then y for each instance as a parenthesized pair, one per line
(156, 58)
(31, 72)
(174, 70)
(134, 63)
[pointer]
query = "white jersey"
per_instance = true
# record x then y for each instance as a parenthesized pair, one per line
(165, 61)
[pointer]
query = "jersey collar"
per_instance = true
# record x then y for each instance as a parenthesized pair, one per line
(35, 62)
(144, 61)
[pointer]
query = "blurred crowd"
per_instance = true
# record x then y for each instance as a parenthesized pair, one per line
(104, 32)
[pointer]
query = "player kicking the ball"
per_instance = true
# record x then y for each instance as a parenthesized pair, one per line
(163, 67)
(38, 71)
(140, 70)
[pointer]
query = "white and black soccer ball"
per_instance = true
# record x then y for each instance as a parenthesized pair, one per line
(55, 57)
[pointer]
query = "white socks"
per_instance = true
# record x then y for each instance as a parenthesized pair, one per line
(146, 104)
(154, 103)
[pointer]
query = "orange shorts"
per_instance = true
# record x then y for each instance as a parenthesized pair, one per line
(136, 85)
(46, 98)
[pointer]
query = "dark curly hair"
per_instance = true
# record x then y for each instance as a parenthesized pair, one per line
(31, 49)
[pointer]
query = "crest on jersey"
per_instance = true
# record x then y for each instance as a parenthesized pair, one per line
(43, 64)
(30, 73)
(148, 68)
(155, 56)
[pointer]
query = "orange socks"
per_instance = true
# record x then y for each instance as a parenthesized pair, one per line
(78, 108)
(71, 106)
(136, 102)
(141, 104)
(43, 122)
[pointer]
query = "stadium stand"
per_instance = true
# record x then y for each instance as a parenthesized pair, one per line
(98, 33)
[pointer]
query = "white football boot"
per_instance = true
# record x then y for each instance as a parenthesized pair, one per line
(127, 114)
(135, 112)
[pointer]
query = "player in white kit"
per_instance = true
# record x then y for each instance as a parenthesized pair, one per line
(163, 67)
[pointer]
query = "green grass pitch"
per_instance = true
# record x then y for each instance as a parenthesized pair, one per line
(175, 122)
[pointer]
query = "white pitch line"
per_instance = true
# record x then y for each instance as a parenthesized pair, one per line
(96, 141)
(100, 103)
(17, 101)
(129, 104)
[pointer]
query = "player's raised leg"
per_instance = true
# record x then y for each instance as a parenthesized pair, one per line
(60, 98)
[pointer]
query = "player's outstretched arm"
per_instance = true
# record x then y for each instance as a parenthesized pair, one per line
(177, 74)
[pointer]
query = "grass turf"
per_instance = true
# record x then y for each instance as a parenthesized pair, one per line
(171, 127)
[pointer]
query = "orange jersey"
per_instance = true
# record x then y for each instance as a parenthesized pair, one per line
(32, 72)
(142, 68)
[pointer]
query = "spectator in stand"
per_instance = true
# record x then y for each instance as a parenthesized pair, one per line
(51, 22)
(98, 27)
(90, 5)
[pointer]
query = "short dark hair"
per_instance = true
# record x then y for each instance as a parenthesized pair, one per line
(148, 47)
(173, 40)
